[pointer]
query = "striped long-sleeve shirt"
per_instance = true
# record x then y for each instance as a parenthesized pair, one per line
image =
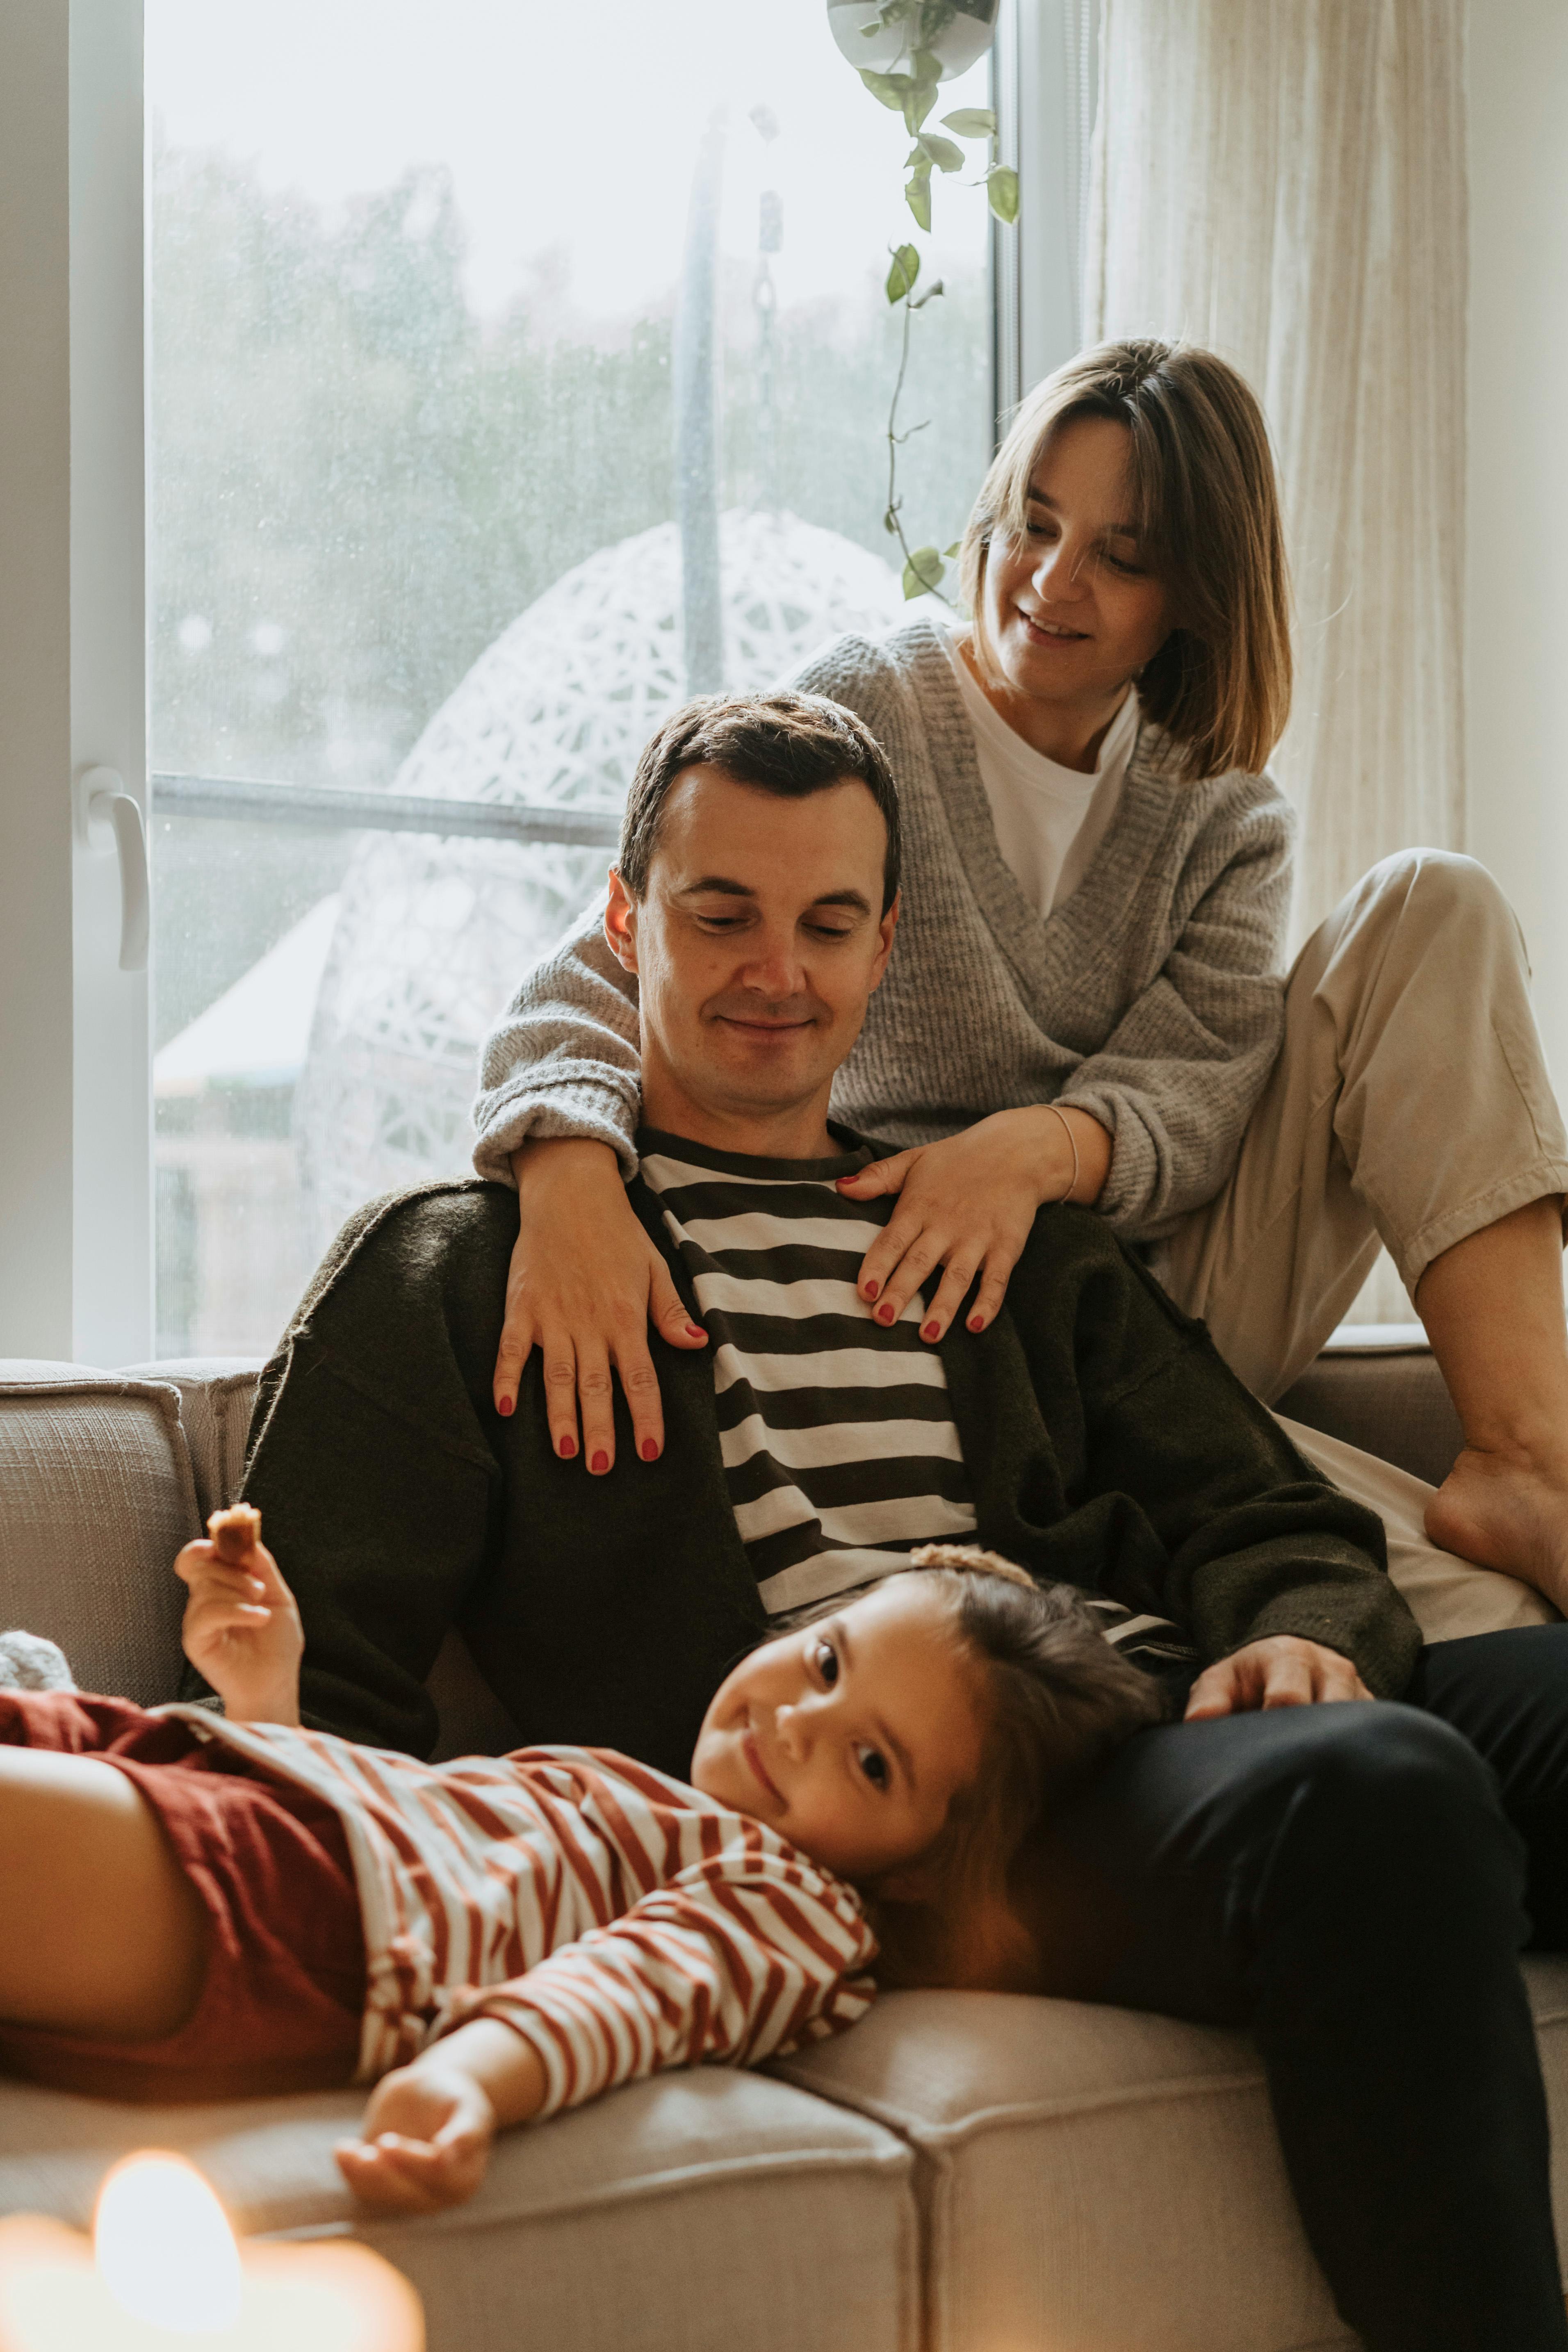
(616, 1919)
(839, 1446)
(836, 1431)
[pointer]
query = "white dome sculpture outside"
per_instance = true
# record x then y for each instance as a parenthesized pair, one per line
(433, 935)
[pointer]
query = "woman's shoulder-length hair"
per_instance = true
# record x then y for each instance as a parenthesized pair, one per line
(1206, 507)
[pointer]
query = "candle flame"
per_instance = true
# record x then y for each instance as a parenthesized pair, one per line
(163, 2246)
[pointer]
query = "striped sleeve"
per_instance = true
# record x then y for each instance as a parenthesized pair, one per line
(738, 1959)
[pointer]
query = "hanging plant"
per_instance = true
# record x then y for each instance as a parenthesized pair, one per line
(903, 50)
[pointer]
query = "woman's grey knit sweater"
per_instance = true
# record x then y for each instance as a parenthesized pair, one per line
(1149, 997)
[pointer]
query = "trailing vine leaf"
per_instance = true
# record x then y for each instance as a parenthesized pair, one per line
(1002, 187)
(943, 153)
(890, 89)
(923, 572)
(920, 96)
(956, 549)
(914, 94)
(971, 122)
(902, 277)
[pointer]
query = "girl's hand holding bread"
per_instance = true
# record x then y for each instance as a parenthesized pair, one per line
(241, 1628)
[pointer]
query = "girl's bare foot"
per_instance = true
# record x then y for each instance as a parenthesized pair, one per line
(1507, 1511)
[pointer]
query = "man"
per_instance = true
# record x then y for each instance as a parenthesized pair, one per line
(1091, 1433)
(1342, 1878)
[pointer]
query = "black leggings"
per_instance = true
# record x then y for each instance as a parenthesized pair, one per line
(1355, 1883)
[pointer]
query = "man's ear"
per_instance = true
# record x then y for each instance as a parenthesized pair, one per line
(885, 929)
(621, 922)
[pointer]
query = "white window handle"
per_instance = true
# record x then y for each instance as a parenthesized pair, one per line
(108, 818)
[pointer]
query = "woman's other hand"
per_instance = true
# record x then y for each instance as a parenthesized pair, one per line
(242, 1631)
(585, 1283)
(968, 1204)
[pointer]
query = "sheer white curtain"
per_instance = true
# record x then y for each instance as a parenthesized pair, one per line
(1284, 181)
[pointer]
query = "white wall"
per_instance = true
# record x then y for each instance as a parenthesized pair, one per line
(1517, 565)
(35, 978)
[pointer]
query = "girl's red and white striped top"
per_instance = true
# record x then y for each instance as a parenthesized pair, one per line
(620, 1921)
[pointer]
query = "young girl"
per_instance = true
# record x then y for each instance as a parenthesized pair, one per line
(493, 1939)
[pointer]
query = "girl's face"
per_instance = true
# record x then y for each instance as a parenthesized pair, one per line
(1070, 610)
(851, 1737)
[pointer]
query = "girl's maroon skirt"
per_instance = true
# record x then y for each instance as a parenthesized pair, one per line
(280, 2005)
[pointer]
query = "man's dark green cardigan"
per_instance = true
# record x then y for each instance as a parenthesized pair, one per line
(1105, 1442)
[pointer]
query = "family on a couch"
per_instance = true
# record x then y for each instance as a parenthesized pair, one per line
(898, 1581)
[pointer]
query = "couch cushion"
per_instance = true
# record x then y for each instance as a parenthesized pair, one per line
(216, 1394)
(691, 2214)
(1385, 1395)
(1095, 2178)
(97, 1496)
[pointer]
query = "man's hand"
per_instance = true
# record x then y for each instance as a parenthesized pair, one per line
(242, 1631)
(1279, 1671)
(585, 1283)
(429, 2129)
(968, 1204)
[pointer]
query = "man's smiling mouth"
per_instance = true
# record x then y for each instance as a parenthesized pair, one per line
(764, 1028)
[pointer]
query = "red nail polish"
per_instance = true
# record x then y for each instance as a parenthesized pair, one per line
(504, 1408)
(884, 1314)
(649, 1450)
(600, 1464)
(872, 1288)
(567, 1447)
(695, 1331)
(977, 1322)
(929, 1330)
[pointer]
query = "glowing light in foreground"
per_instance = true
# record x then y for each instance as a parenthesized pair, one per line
(164, 2247)
(167, 2276)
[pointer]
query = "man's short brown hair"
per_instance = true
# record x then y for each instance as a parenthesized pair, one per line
(788, 744)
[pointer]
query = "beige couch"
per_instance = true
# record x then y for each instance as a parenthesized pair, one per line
(960, 2173)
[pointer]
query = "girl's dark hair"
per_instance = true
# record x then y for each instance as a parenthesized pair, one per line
(788, 744)
(1206, 504)
(1058, 1701)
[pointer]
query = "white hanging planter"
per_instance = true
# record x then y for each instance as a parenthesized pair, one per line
(967, 35)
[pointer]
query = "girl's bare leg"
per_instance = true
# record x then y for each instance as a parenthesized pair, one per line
(1493, 1309)
(102, 1933)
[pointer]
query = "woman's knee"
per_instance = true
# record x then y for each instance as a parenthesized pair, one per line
(1439, 887)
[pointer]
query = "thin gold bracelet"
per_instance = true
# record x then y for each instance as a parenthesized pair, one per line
(1072, 1140)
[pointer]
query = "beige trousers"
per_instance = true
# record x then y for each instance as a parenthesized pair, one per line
(1410, 1106)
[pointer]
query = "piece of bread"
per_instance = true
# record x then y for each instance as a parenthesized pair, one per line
(236, 1532)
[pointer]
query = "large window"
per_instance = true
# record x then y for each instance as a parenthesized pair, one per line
(516, 369)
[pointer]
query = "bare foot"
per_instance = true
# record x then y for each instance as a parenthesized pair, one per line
(1507, 1512)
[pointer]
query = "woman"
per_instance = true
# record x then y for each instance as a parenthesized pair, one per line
(1084, 1003)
